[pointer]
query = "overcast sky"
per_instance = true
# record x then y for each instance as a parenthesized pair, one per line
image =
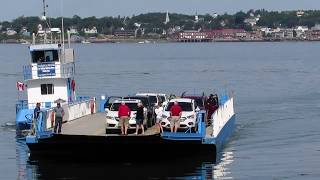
(11, 9)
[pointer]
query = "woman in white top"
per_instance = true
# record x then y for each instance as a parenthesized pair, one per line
(159, 111)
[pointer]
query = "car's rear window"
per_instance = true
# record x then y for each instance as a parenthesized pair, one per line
(199, 102)
(153, 99)
(163, 99)
(132, 106)
(144, 100)
(185, 106)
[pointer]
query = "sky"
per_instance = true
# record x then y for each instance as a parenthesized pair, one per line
(11, 9)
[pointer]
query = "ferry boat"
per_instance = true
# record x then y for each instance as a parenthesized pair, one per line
(50, 77)
(86, 139)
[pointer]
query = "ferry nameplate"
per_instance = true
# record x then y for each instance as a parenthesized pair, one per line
(48, 69)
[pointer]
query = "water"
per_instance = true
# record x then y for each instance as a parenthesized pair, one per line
(277, 101)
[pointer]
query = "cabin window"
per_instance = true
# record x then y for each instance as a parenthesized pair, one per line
(47, 89)
(45, 56)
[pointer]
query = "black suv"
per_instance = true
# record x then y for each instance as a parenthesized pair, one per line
(146, 101)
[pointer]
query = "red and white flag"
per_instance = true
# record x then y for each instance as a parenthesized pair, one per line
(20, 86)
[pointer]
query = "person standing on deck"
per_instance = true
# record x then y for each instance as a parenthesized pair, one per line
(124, 115)
(36, 111)
(159, 112)
(59, 113)
(175, 114)
(139, 118)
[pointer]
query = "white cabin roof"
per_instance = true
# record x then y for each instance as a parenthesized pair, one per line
(127, 101)
(182, 100)
(38, 47)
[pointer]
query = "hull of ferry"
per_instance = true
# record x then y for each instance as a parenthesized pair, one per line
(114, 148)
(122, 148)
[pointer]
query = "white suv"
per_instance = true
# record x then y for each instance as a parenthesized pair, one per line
(112, 119)
(188, 117)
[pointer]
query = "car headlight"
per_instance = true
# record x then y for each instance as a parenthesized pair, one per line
(190, 117)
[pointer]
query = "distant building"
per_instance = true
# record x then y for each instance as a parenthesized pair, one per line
(193, 36)
(196, 18)
(302, 28)
(11, 32)
(226, 33)
(25, 32)
(278, 35)
(300, 13)
(73, 30)
(167, 18)
(316, 27)
(124, 33)
(251, 21)
(90, 31)
(301, 31)
(313, 35)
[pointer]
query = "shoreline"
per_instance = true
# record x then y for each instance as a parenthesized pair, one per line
(153, 41)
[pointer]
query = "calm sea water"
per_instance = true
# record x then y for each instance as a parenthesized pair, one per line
(277, 101)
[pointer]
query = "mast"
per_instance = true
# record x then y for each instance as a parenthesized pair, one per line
(44, 8)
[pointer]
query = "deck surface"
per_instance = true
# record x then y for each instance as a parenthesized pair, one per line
(93, 125)
(88, 125)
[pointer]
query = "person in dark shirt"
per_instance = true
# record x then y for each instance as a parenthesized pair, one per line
(139, 118)
(36, 111)
(59, 113)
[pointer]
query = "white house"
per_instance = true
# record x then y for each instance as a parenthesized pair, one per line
(73, 30)
(251, 21)
(11, 32)
(302, 28)
(90, 31)
(301, 31)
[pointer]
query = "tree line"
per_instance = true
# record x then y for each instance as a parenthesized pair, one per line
(154, 22)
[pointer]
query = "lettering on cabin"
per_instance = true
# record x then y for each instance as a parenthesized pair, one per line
(48, 69)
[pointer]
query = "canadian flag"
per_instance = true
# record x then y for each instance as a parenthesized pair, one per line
(20, 86)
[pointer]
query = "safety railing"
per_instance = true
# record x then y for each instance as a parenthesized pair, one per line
(48, 70)
(222, 115)
(21, 104)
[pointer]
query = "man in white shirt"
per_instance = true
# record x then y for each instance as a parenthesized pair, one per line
(159, 111)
